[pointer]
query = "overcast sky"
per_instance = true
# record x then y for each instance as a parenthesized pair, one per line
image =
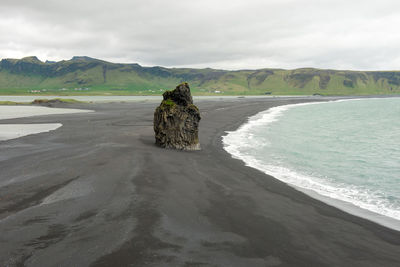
(228, 34)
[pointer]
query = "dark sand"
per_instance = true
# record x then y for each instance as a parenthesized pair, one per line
(97, 191)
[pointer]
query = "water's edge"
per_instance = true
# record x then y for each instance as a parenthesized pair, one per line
(345, 206)
(14, 131)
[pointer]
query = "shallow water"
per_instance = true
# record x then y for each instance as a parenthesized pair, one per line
(344, 150)
(12, 131)
(12, 112)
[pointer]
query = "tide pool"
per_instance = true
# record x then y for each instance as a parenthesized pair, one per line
(12, 131)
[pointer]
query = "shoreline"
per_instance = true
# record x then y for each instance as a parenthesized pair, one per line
(346, 206)
(122, 200)
(354, 210)
(13, 131)
(156, 98)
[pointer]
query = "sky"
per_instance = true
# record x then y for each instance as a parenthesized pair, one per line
(226, 34)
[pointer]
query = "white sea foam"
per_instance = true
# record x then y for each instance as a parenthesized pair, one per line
(239, 141)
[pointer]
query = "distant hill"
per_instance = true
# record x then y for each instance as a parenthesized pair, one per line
(85, 75)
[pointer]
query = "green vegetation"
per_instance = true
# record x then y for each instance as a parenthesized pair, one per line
(12, 103)
(194, 108)
(168, 103)
(88, 76)
(59, 100)
(70, 100)
(43, 101)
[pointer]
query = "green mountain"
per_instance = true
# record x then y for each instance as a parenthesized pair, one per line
(85, 75)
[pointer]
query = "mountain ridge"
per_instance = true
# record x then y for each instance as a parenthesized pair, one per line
(86, 75)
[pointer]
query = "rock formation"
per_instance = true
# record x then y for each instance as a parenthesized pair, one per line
(47, 102)
(176, 120)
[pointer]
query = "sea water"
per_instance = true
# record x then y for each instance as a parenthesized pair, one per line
(344, 150)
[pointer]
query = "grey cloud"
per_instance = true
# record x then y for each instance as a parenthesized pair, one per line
(223, 34)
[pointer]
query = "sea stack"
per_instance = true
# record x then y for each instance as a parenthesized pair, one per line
(176, 120)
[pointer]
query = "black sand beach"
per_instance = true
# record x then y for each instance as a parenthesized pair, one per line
(98, 192)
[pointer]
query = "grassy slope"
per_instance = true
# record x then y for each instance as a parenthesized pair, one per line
(100, 77)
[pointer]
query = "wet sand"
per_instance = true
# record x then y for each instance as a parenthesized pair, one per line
(98, 192)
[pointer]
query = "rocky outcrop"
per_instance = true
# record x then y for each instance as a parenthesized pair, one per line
(47, 102)
(55, 102)
(176, 120)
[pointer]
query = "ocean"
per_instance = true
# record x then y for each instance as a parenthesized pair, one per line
(346, 150)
